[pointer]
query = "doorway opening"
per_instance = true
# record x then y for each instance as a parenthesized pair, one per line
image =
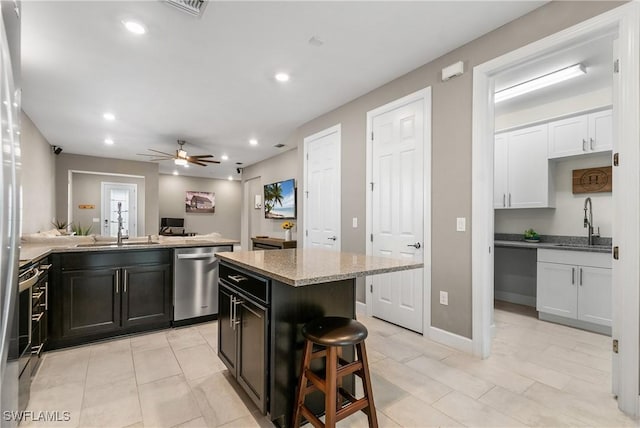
(119, 199)
(623, 23)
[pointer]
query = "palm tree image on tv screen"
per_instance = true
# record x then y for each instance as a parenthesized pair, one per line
(280, 200)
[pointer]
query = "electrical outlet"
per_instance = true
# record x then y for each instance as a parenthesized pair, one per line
(444, 298)
(461, 224)
(354, 222)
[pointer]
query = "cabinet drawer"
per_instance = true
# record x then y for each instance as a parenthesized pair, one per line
(252, 285)
(582, 258)
(101, 259)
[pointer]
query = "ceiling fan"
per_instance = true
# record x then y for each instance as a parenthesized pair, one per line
(181, 157)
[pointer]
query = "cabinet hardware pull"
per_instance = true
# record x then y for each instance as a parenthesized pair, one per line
(573, 275)
(38, 317)
(591, 143)
(231, 311)
(584, 145)
(45, 267)
(117, 282)
(580, 270)
(504, 200)
(509, 198)
(124, 281)
(36, 296)
(238, 278)
(37, 349)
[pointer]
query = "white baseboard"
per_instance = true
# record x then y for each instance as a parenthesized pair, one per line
(361, 308)
(452, 340)
(519, 299)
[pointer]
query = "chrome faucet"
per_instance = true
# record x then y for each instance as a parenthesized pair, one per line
(120, 226)
(588, 221)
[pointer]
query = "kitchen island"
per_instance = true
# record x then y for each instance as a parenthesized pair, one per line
(265, 299)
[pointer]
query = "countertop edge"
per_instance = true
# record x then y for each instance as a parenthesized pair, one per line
(551, 246)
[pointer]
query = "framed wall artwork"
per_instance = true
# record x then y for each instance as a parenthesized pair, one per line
(200, 202)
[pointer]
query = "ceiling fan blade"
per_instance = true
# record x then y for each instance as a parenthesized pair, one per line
(196, 162)
(201, 156)
(208, 161)
(162, 153)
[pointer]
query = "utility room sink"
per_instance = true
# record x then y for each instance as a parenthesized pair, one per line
(114, 245)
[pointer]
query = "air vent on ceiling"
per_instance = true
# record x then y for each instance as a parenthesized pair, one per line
(279, 145)
(192, 7)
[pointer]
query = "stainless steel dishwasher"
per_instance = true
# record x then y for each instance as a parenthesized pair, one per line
(195, 283)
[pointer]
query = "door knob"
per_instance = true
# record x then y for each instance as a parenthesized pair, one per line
(333, 238)
(416, 245)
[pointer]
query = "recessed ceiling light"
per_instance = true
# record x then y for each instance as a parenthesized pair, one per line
(108, 141)
(186, 165)
(230, 178)
(224, 157)
(253, 142)
(282, 77)
(175, 172)
(134, 27)
(109, 116)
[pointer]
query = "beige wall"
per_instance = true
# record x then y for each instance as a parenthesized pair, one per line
(149, 170)
(87, 190)
(225, 220)
(451, 153)
(37, 179)
(277, 168)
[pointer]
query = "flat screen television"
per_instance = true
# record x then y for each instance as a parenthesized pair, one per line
(280, 200)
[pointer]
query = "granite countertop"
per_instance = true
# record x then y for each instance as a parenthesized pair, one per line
(306, 266)
(30, 252)
(571, 243)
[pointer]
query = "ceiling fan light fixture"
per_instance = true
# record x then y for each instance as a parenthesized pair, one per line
(540, 82)
(180, 161)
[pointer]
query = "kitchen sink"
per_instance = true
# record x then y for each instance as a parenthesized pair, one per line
(114, 245)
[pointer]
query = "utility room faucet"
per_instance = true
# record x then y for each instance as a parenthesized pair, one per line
(588, 221)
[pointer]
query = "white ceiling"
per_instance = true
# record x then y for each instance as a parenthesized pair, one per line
(210, 80)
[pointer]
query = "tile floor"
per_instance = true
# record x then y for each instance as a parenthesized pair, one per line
(540, 374)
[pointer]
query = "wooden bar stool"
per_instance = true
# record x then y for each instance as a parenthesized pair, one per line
(333, 333)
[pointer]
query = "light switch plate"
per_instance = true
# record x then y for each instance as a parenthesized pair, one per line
(444, 298)
(461, 224)
(354, 222)
(96, 220)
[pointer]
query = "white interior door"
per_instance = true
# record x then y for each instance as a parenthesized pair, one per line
(126, 194)
(397, 221)
(322, 194)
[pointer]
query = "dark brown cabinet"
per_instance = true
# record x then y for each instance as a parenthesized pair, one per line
(243, 331)
(95, 295)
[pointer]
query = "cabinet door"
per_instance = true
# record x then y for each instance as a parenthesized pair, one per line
(252, 352)
(500, 171)
(528, 167)
(594, 295)
(91, 301)
(227, 338)
(601, 131)
(568, 137)
(556, 289)
(146, 295)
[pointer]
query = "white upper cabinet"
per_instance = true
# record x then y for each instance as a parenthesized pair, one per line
(521, 169)
(578, 135)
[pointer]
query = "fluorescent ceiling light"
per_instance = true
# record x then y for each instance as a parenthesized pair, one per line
(180, 161)
(134, 27)
(540, 82)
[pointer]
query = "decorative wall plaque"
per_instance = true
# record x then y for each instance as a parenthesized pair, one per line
(87, 206)
(592, 180)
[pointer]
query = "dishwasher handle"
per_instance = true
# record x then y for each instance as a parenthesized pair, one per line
(202, 256)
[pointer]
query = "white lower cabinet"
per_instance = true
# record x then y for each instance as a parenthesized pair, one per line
(575, 285)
